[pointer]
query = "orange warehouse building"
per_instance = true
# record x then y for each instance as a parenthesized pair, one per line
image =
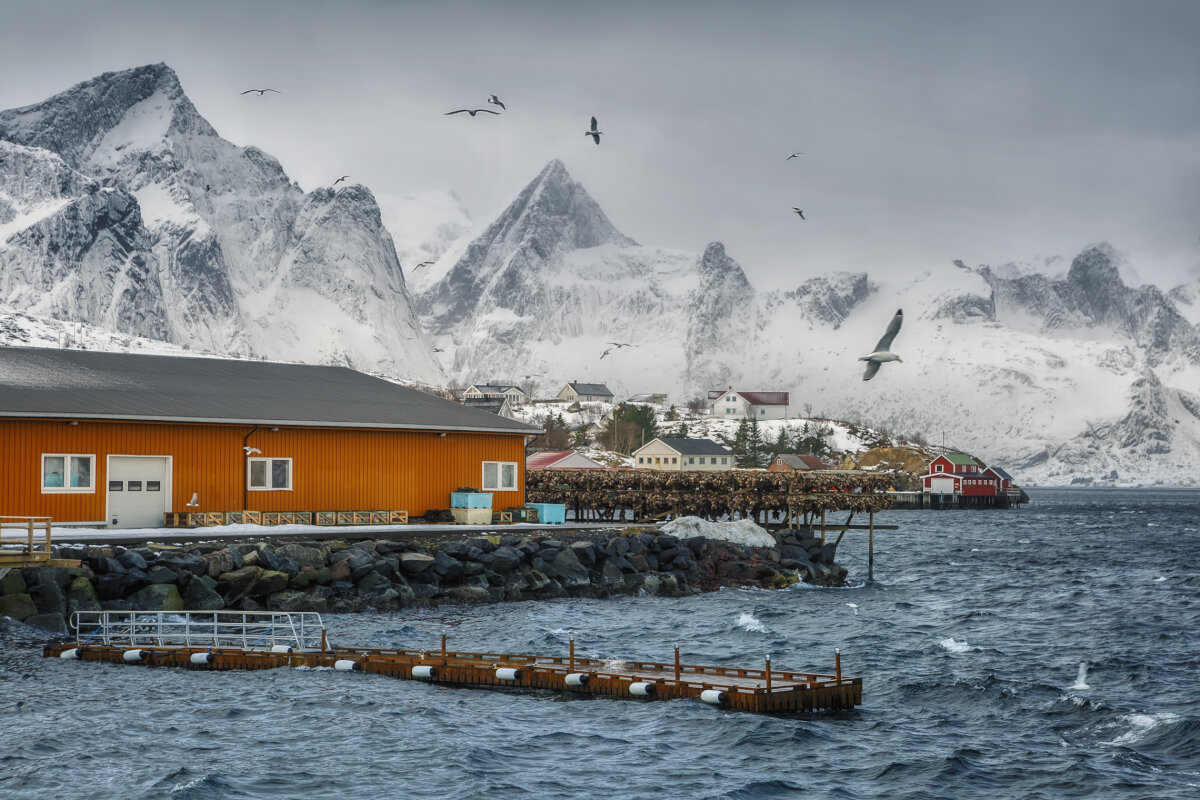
(121, 439)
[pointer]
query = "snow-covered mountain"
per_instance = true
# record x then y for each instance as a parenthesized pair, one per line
(121, 207)
(1054, 371)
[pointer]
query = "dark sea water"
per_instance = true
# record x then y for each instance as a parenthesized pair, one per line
(970, 642)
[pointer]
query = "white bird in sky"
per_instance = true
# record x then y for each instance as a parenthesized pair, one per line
(594, 132)
(471, 111)
(496, 102)
(250, 450)
(882, 352)
(262, 91)
(195, 501)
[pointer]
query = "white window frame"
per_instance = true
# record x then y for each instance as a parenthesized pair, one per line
(250, 487)
(500, 487)
(66, 488)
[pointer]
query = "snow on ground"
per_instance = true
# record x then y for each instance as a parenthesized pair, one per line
(742, 531)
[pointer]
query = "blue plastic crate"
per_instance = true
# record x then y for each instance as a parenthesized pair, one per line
(550, 513)
(470, 500)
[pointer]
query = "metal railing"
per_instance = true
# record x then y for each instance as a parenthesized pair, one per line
(246, 630)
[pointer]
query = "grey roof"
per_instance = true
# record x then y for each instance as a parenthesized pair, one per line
(495, 388)
(45, 382)
(590, 388)
(696, 447)
(1001, 473)
(492, 405)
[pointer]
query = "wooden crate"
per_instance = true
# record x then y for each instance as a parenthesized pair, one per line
(380, 517)
(179, 519)
(296, 518)
(502, 517)
(213, 517)
(397, 517)
(345, 518)
(361, 518)
(235, 517)
(272, 518)
(252, 517)
(325, 517)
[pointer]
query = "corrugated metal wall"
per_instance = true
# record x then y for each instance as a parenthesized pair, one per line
(332, 469)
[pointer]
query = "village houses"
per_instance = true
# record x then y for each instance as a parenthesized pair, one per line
(684, 455)
(732, 404)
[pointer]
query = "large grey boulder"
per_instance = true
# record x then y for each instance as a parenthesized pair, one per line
(49, 599)
(504, 559)
(180, 562)
(373, 583)
(568, 569)
(238, 581)
(160, 574)
(51, 623)
(304, 556)
(11, 581)
(199, 596)
(416, 563)
(157, 597)
(17, 606)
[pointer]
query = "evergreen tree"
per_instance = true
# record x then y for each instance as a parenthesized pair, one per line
(755, 448)
(781, 444)
(740, 440)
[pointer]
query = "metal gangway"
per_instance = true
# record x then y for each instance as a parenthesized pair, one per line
(244, 630)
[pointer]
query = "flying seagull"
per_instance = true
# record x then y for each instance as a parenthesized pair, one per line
(606, 352)
(250, 450)
(471, 111)
(438, 350)
(622, 344)
(261, 91)
(339, 180)
(195, 501)
(594, 133)
(207, 187)
(793, 155)
(496, 102)
(882, 350)
(422, 264)
(798, 211)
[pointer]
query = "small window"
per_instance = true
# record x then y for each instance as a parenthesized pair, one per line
(65, 472)
(270, 474)
(674, 460)
(153, 486)
(133, 486)
(724, 459)
(691, 459)
(116, 486)
(762, 411)
(500, 476)
(937, 468)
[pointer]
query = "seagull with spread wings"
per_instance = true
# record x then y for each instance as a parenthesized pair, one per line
(422, 264)
(261, 91)
(595, 133)
(339, 180)
(800, 212)
(793, 155)
(496, 102)
(883, 351)
(471, 111)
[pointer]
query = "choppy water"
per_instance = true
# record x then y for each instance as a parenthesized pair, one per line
(970, 642)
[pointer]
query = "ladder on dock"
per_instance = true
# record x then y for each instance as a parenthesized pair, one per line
(251, 640)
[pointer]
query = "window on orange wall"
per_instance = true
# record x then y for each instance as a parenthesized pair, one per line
(68, 473)
(499, 476)
(269, 475)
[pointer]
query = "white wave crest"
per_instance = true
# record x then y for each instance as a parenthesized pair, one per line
(748, 622)
(955, 646)
(1141, 726)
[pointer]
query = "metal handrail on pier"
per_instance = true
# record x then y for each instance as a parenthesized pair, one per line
(246, 630)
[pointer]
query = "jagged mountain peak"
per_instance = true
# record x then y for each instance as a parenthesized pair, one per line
(554, 204)
(1098, 264)
(115, 110)
(716, 267)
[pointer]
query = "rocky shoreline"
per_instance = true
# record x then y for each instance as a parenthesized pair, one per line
(386, 575)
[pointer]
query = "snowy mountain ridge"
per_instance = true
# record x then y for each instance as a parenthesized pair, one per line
(123, 208)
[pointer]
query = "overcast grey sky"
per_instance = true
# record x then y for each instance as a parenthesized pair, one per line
(989, 132)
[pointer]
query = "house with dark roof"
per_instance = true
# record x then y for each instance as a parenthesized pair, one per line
(792, 462)
(122, 439)
(957, 479)
(584, 392)
(481, 391)
(500, 406)
(732, 404)
(683, 455)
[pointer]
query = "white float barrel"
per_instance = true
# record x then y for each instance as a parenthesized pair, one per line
(70, 655)
(201, 658)
(281, 648)
(713, 697)
(423, 671)
(576, 678)
(134, 655)
(641, 688)
(346, 665)
(507, 673)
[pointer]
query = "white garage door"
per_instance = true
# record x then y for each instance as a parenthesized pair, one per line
(941, 486)
(138, 491)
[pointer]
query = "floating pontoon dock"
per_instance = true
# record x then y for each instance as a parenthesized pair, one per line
(229, 640)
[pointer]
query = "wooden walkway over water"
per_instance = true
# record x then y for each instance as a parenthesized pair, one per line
(267, 640)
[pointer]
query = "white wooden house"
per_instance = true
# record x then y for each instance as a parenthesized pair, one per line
(730, 404)
(584, 392)
(477, 391)
(683, 455)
